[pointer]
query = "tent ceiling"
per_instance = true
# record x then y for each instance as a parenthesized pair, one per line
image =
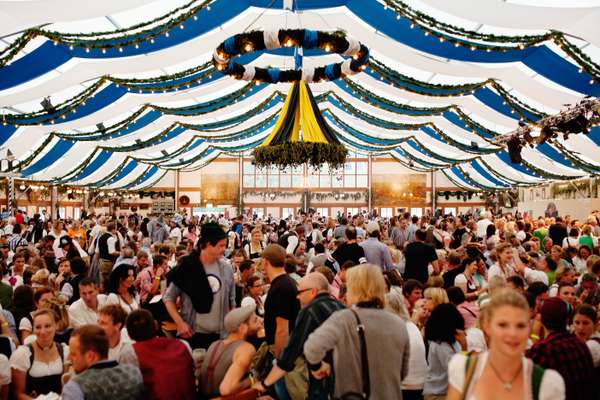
(425, 101)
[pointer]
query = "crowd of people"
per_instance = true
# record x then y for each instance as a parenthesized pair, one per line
(474, 306)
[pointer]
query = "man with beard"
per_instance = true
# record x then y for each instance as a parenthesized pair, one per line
(227, 362)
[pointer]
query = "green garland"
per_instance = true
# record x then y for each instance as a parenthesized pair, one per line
(297, 153)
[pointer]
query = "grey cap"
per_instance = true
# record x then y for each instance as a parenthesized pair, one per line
(238, 316)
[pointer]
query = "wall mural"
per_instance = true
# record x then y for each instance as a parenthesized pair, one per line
(219, 188)
(401, 191)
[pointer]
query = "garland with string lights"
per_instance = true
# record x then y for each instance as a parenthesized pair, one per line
(335, 42)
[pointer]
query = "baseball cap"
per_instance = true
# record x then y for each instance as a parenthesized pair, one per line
(372, 226)
(238, 316)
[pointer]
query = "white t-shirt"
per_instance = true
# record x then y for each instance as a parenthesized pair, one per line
(533, 275)
(495, 270)
(176, 234)
(5, 374)
(417, 363)
(114, 298)
(20, 360)
(552, 386)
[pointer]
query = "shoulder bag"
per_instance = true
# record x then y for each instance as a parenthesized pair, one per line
(364, 359)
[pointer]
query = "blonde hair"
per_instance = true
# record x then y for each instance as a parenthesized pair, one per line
(504, 297)
(59, 311)
(496, 283)
(435, 281)
(394, 302)
(365, 283)
(437, 295)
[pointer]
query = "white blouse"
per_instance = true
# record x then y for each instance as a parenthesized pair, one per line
(20, 360)
(114, 298)
(552, 386)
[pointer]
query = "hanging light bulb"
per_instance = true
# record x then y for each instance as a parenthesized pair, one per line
(327, 47)
(248, 47)
(22, 187)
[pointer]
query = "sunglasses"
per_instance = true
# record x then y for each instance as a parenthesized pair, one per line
(304, 290)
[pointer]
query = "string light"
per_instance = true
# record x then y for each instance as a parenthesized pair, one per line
(327, 47)
(152, 40)
(181, 26)
(248, 47)
(166, 34)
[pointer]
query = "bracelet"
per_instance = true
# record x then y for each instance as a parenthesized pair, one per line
(252, 381)
(157, 278)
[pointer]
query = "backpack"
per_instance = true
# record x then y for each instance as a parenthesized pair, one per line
(537, 373)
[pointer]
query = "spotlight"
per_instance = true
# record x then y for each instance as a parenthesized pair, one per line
(474, 145)
(101, 127)
(22, 187)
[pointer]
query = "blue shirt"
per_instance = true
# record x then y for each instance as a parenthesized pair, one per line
(377, 253)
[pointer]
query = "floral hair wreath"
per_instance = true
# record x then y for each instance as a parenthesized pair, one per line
(336, 42)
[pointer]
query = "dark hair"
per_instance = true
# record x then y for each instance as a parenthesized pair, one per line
(410, 285)
(78, 266)
(120, 273)
(394, 277)
(596, 267)
(443, 323)
(537, 288)
(467, 261)
(420, 234)
(347, 265)
(551, 263)
(350, 233)
(37, 295)
(23, 303)
(245, 265)
(453, 258)
(319, 248)
(343, 221)
(92, 338)
(455, 295)
(250, 282)
(158, 259)
(517, 281)
(141, 325)
(531, 300)
(490, 230)
(587, 310)
(87, 281)
(587, 277)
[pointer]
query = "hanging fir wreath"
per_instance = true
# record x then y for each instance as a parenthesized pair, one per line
(300, 135)
(336, 42)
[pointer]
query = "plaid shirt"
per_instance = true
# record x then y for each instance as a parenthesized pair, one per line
(565, 353)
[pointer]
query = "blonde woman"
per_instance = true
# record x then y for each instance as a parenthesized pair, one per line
(503, 371)
(386, 337)
(434, 296)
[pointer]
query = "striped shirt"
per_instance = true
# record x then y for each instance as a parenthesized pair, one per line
(308, 320)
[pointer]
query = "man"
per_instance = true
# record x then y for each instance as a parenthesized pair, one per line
(483, 223)
(412, 228)
(349, 250)
(246, 270)
(453, 261)
(85, 310)
(97, 377)
(70, 289)
(111, 318)
(204, 281)
(339, 231)
(281, 305)
(227, 362)
(412, 291)
(152, 353)
(399, 234)
(418, 257)
(376, 252)
(109, 250)
(588, 291)
(562, 351)
(290, 240)
(558, 231)
(318, 305)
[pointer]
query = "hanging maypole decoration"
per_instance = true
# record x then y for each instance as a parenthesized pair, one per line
(301, 134)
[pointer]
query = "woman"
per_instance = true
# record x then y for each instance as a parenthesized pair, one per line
(23, 304)
(580, 261)
(502, 371)
(64, 274)
(386, 337)
(572, 240)
(466, 281)
(149, 280)
(37, 367)
(40, 296)
(585, 326)
(434, 296)
(412, 385)
(556, 253)
(503, 266)
(190, 233)
(120, 288)
(444, 337)
(586, 238)
(254, 295)
(255, 247)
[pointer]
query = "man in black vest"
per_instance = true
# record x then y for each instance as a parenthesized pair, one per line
(109, 250)
(71, 287)
(290, 240)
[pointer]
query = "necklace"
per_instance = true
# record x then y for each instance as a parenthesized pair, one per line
(506, 385)
(43, 348)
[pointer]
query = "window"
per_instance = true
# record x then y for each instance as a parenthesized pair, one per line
(76, 213)
(323, 212)
(260, 212)
(416, 211)
(353, 175)
(450, 210)
(62, 212)
(286, 212)
(353, 210)
(385, 212)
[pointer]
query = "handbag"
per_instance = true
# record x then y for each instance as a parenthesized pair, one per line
(364, 360)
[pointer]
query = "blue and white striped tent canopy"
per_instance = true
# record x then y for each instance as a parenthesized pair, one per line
(445, 78)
